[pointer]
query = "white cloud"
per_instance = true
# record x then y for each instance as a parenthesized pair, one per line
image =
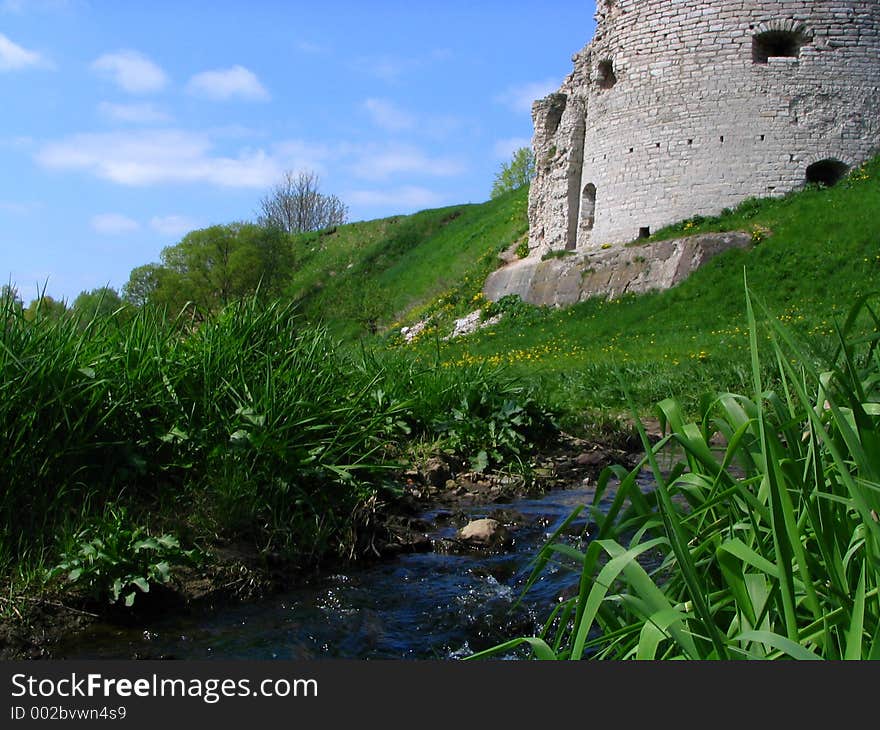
(131, 71)
(13, 57)
(521, 97)
(403, 198)
(388, 116)
(504, 148)
(380, 163)
(173, 225)
(150, 157)
(230, 83)
(112, 224)
(134, 113)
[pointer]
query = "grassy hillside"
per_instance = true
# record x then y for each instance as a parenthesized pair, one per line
(816, 252)
(368, 276)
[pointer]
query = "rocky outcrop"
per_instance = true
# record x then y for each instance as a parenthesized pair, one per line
(610, 272)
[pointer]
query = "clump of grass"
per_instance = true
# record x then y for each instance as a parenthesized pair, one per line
(765, 548)
(251, 425)
(255, 419)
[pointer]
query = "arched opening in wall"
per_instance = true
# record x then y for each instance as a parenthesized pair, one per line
(588, 207)
(605, 74)
(556, 106)
(827, 172)
(777, 44)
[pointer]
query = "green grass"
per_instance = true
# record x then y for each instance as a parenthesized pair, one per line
(370, 276)
(252, 425)
(820, 251)
(816, 251)
(764, 548)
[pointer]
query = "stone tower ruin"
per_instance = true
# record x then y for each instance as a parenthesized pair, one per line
(680, 108)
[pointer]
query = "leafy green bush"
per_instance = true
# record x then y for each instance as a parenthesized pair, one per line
(477, 412)
(113, 560)
(491, 430)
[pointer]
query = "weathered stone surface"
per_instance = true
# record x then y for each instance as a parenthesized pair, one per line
(471, 323)
(610, 272)
(686, 107)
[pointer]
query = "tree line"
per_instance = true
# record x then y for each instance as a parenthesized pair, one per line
(214, 266)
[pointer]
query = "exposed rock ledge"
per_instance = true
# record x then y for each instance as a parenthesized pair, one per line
(610, 272)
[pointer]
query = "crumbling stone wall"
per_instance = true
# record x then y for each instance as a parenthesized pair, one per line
(686, 107)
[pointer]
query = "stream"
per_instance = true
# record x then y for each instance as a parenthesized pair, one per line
(433, 605)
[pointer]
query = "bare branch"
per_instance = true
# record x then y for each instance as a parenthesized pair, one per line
(295, 205)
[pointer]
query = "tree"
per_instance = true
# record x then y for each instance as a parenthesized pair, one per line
(516, 173)
(142, 284)
(101, 302)
(295, 205)
(9, 297)
(11, 305)
(215, 266)
(45, 307)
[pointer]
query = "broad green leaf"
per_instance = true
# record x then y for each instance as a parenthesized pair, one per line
(778, 642)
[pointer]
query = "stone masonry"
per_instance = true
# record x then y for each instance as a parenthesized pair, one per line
(686, 107)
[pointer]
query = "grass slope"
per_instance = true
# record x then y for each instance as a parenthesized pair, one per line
(817, 252)
(368, 276)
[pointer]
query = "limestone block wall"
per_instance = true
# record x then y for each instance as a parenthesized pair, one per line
(686, 107)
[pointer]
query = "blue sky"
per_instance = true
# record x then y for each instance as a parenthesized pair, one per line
(127, 123)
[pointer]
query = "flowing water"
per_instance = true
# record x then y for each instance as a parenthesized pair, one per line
(416, 606)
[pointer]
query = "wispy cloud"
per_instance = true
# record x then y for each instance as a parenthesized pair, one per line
(388, 116)
(520, 97)
(310, 47)
(131, 71)
(22, 6)
(383, 162)
(173, 225)
(19, 208)
(386, 68)
(230, 83)
(13, 57)
(390, 68)
(133, 113)
(150, 157)
(405, 197)
(113, 224)
(504, 148)
(20, 142)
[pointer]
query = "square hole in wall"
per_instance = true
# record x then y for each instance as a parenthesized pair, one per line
(645, 232)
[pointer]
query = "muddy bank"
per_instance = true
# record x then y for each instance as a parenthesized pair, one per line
(388, 527)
